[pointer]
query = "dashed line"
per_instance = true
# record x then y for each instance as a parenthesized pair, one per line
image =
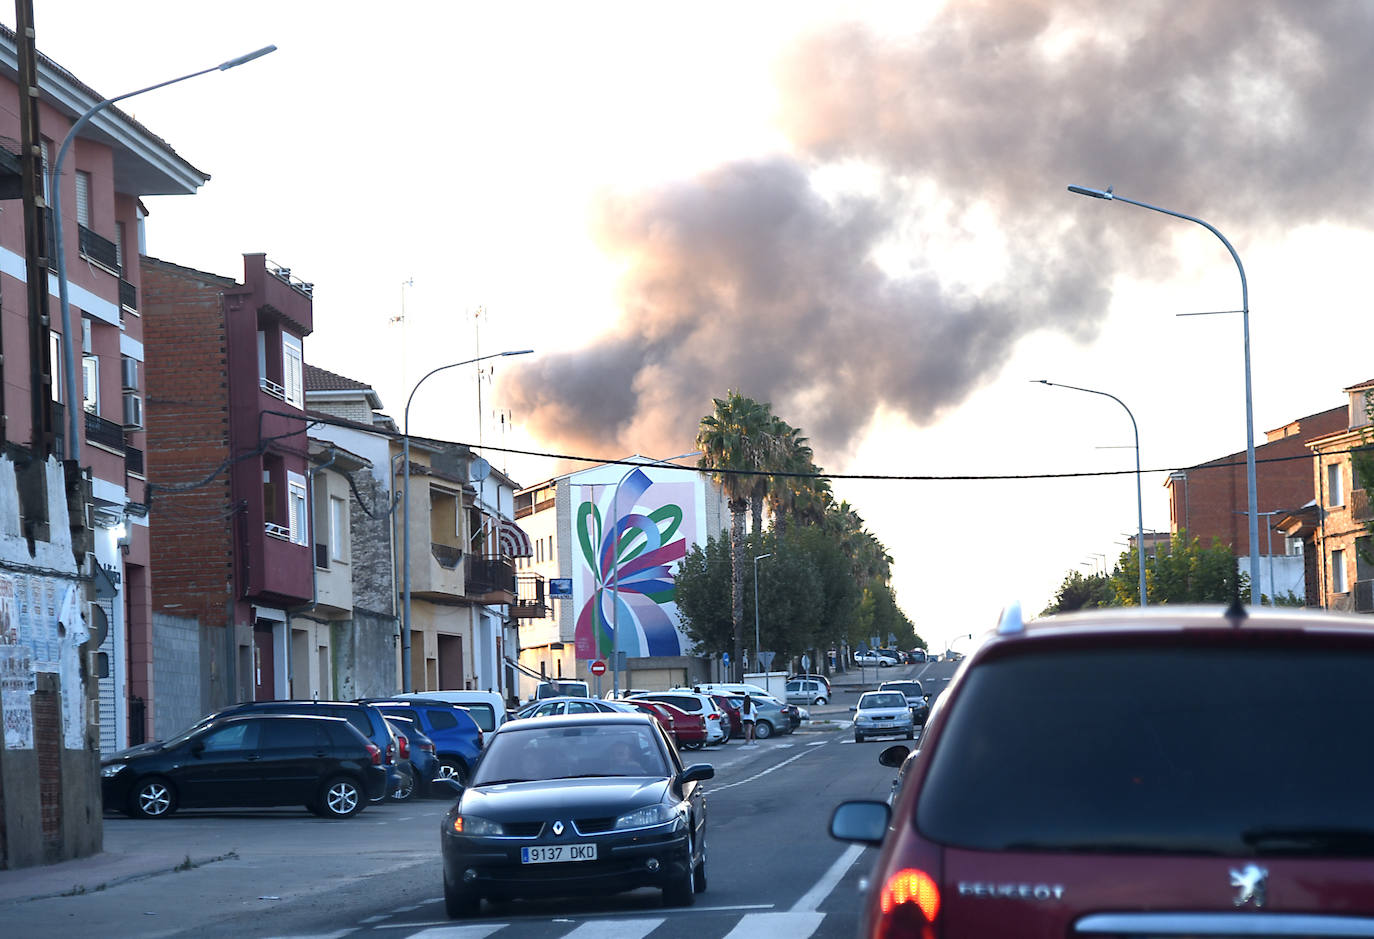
(770, 769)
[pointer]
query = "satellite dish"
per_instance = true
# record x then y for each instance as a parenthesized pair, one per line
(478, 470)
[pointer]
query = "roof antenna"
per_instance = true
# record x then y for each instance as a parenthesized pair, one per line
(1236, 611)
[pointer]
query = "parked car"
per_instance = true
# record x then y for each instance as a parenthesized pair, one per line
(487, 708)
(457, 738)
(773, 716)
(421, 754)
(882, 714)
(562, 688)
(695, 703)
(730, 708)
(689, 730)
(874, 659)
(916, 656)
(813, 676)
(915, 696)
(368, 720)
(577, 805)
(552, 707)
(663, 713)
(249, 760)
(807, 691)
(734, 687)
(1154, 777)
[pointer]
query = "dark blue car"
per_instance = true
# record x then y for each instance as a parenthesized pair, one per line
(457, 738)
(422, 756)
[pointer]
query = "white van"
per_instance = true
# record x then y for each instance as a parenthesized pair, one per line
(739, 687)
(486, 707)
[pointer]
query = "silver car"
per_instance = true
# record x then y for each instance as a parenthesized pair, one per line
(882, 714)
(807, 691)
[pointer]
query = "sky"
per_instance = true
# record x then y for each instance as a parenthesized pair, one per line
(855, 212)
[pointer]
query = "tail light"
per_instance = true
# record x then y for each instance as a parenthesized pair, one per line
(375, 753)
(714, 717)
(391, 751)
(428, 747)
(908, 905)
(404, 744)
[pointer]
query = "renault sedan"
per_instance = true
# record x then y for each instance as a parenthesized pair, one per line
(574, 805)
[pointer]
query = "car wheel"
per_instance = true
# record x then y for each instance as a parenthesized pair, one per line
(460, 904)
(340, 798)
(911, 734)
(699, 875)
(821, 701)
(858, 737)
(693, 744)
(152, 798)
(763, 730)
(682, 891)
(406, 790)
(883, 663)
(452, 769)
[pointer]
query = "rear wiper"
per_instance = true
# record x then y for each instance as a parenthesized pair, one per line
(1331, 839)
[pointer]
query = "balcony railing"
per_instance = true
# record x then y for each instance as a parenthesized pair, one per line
(1359, 505)
(274, 530)
(133, 460)
(100, 250)
(1364, 596)
(448, 556)
(490, 574)
(106, 433)
(529, 597)
(128, 296)
(272, 388)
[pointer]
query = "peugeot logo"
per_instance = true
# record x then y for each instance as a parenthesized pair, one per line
(558, 830)
(1250, 882)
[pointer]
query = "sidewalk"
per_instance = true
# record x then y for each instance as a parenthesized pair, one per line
(87, 874)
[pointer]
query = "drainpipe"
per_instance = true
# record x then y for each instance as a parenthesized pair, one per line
(314, 575)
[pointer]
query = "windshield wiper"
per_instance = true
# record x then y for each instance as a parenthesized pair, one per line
(1332, 839)
(500, 782)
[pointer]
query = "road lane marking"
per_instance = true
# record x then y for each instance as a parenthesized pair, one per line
(476, 931)
(813, 898)
(818, 743)
(615, 929)
(776, 926)
(770, 769)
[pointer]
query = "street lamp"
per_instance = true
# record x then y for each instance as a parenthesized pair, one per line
(55, 191)
(405, 509)
(615, 565)
(1139, 504)
(1252, 498)
(758, 649)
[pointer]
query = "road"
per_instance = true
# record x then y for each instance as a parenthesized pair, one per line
(773, 870)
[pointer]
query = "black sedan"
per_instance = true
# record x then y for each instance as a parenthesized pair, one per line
(574, 805)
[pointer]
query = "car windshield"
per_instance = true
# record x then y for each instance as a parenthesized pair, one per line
(570, 752)
(1161, 749)
(887, 699)
(905, 687)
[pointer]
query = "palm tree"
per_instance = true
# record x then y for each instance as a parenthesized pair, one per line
(732, 441)
(788, 493)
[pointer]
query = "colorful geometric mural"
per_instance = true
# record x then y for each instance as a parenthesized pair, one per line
(624, 550)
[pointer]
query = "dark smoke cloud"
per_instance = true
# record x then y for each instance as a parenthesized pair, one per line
(1255, 116)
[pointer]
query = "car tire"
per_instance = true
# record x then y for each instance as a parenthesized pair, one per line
(763, 730)
(693, 744)
(858, 737)
(699, 875)
(405, 792)
(460, 904)
(340, 797)
(682, 890)
(911, 734)
(453, 769)
(884, 663)
(820, 701)
(153, 797)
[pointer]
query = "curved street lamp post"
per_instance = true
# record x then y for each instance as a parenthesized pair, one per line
(1252, 505)
(1139, 504)
(55, 192)
(405, 510)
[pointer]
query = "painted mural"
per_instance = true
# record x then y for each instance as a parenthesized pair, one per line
(625, 549)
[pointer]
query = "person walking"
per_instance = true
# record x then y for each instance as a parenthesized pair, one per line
(748, 714)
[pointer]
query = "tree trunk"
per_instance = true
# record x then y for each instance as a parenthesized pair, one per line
(756, 511)
(737, 510)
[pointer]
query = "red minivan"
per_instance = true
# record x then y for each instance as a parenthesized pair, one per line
(1139, 772)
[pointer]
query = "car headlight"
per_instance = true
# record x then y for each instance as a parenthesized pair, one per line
(111, 769)
(643, 818)
(474, 825)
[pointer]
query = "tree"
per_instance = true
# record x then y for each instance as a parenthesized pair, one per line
(733, 441)
(1183, 572)
(1362, 476)
(702, 591)
(1082, 593)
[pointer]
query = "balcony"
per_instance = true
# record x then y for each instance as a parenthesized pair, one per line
(448, 556)
(128, 297)
(1359, 506)
(491, 579)
(99, 251)
(106, 433)
(133, 461)
(529, 597)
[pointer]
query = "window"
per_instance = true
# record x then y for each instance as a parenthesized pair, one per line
(338, 528)
(441, 720)
(119, 245)
(295, 507)
(293, 370)
(1338, 584)
(83, 198)
(1334, 494)
(90, 378)
(55, 367)
(44, 146)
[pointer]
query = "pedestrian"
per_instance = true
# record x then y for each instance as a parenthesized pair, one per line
(748, 714)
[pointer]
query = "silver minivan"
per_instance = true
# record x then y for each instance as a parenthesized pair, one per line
(807, 691)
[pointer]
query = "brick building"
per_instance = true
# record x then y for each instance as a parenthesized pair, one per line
(229, 458)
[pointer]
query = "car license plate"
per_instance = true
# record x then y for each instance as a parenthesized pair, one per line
(553, 854)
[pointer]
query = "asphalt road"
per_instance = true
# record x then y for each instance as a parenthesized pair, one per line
(773, 870)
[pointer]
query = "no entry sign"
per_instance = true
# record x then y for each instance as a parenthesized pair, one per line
(598, 667)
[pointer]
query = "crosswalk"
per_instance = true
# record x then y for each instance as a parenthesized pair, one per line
(796, 924)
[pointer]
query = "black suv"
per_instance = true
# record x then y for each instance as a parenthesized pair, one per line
(249, 760)
(367, 719)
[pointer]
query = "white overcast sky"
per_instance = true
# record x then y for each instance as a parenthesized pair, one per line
(593, 176)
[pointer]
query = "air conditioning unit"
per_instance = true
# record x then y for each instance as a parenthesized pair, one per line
(133, 411)
(129, 373)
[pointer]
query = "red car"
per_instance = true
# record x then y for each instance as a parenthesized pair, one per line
(688, 729)
(731, 708)
(659, 712)
(1204, 773)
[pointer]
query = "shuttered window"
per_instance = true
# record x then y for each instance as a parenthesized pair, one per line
(83, 198)
(293, 370)
(295, 507)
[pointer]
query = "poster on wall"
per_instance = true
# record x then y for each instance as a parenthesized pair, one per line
(629, 532)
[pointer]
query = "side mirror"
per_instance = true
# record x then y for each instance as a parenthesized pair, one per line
(894, 755)
(853, 707)
(696, 773)
(863, 822)
(450, 783)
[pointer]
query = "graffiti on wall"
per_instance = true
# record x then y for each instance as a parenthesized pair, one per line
(627, 539)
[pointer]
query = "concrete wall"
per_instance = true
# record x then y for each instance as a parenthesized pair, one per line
(365, 657)
(176, 671)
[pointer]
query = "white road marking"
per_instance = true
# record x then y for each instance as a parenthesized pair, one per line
(818, 743)
(776, 926)
(813, 898)
(615, 929)
(475, 931)
(770, 769)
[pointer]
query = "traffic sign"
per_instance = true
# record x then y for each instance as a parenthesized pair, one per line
(725, 658)
(598, 668)
(766, 660)
(806, 663)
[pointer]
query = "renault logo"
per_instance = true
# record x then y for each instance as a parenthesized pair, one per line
(1250, 882)
(558, 828)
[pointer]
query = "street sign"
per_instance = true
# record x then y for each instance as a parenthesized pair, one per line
(621, 658)
(806, 663)
(597, 668)
(725, 659)
(560, 587)
(766, 660)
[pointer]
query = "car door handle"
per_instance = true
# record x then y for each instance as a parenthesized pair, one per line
(251, 757)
